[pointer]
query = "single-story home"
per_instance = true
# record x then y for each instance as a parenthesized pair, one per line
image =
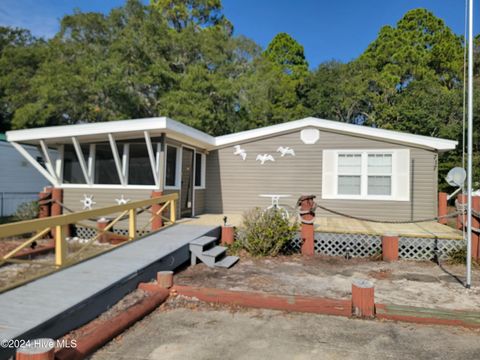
(359, 170)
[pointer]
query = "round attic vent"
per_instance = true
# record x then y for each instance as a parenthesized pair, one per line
(310, 136)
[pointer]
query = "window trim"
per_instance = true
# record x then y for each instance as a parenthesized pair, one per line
(178, 167)
(202, 185)
(364, 175)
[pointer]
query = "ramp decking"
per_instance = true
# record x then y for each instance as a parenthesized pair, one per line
(53, 305)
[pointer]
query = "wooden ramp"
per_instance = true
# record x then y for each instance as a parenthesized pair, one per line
(57, 303)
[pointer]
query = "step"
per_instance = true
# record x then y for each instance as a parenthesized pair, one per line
(215, 251)
(203, 241)
(227, 262)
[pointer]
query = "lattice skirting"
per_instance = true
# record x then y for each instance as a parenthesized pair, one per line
(364, 245)
(87, 233)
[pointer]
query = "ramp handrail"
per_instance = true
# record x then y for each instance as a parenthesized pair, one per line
(58, 224)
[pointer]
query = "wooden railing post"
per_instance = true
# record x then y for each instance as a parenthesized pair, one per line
(60, 245)
(132, 224)
(173, 211)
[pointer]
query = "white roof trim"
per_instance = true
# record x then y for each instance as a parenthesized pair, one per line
(396, 136)
(210, 142)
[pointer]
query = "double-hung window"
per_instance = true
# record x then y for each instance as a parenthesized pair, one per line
(349, 174)
(366, 174)
(379, 171)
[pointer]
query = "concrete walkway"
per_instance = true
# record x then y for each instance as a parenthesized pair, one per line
(55, 304)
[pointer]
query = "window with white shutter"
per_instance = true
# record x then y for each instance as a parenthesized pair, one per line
(366, 174)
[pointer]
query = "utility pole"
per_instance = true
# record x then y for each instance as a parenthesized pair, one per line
(470, 144)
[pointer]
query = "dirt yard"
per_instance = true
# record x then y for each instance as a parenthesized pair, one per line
(422, 284)
(189, 329)
(12, 273)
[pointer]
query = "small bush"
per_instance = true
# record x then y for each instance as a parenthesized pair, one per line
(459, 256)
(27, 211)
(265, 233)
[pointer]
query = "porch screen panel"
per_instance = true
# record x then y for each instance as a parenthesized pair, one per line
(198, 169)
(72, 171)
(139, 168)
(171, 166)
(105, 169)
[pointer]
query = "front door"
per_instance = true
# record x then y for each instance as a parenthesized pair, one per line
(187, 183)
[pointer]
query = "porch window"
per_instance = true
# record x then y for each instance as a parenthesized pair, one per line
(139, 168)
(171, 167)
(72, 171)
(199, 170)
(105, 168)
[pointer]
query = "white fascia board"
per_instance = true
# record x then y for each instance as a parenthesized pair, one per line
(198, 138)
(396, 136)
(67, 131)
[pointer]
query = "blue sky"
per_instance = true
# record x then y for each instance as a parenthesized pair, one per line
(328, 29)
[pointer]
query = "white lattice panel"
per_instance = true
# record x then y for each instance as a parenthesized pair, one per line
(363, 245)
(354, 245)
(426, 249)
(87, 233)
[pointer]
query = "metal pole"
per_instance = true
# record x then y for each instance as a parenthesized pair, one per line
(470, 144)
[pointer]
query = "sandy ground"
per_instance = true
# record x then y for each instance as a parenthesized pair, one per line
(422, 284)
(12, 273)
(196, 331)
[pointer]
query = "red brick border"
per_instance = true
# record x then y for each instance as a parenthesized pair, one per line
(294, 303)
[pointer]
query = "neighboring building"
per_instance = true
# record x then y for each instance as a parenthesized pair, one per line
(19, 181)
(355, 169)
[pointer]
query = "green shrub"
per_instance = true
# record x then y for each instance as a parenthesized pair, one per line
(459, 256)
(27, 211)
(265, 233)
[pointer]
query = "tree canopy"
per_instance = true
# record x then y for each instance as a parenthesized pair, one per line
(181, 58)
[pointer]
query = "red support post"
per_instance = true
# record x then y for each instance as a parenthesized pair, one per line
(307, 232)
(37, 349)
(101, 225)
(475, 224)
(461, 200)
(442, 208)
(228, 235)
(56, 208)
(165, 279)
(363, 299)
(390, 247)
(43, 204)
(157, 222)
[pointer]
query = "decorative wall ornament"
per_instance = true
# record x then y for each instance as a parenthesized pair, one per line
(285, 150)
(87, 202)
(310, 136)
(240, 151)
(264, 157)
(122, 200)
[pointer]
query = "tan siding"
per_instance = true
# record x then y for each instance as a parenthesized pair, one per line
(234, 185)
(106, 197)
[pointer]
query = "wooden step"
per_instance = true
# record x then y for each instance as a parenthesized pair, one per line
(227, 262)
(203, 241)
(215, 251)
